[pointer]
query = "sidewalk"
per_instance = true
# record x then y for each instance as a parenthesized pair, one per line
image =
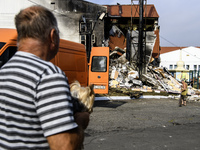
(128, 97)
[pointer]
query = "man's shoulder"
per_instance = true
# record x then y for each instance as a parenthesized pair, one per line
(40, 64)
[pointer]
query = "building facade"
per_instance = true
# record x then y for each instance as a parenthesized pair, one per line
(91, 24)
(188, 57)
(70, 14)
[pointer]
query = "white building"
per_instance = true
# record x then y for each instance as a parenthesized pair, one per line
(190, 56)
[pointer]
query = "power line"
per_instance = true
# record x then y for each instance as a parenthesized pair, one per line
(179, 47)
(169, 41)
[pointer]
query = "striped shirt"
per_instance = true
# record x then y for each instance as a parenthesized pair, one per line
(35, 102)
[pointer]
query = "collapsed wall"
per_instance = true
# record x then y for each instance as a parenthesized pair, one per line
(124, 72)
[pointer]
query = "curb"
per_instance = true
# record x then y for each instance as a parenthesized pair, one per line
(128, 97)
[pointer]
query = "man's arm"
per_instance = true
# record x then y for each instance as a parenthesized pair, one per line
(72, 139)
(184, 86)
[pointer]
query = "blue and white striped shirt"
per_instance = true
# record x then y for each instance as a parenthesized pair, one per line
(35, 102)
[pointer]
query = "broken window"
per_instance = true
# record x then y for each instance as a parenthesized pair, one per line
(83, 27)
(83, 39)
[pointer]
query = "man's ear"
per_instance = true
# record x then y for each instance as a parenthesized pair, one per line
(53, 37)
(53, 45)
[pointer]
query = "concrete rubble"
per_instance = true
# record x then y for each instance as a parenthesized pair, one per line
(157, 79)
(123, 75)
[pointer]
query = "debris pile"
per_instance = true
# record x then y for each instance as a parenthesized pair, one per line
(123, 75)
(123, 72)
(193, 94)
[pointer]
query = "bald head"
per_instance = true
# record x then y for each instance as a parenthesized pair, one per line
(35, 22)
(37, 32)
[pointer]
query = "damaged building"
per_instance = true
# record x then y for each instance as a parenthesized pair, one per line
(121, 34)
(88, 23)
(92, 24)
(76, 18)
(121, 29)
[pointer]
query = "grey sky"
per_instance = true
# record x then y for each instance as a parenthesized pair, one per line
(179, 20)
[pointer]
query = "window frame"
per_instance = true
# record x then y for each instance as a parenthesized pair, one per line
(94, 63)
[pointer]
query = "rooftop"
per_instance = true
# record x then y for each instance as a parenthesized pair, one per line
(125, 11)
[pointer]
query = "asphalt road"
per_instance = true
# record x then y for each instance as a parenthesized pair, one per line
(143, 124)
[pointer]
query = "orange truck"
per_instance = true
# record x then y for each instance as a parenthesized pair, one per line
(71, 58)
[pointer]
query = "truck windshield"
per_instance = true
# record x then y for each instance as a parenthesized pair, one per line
(99, 64)
(2, 44)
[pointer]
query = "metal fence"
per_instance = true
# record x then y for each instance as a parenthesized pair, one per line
(194, 78)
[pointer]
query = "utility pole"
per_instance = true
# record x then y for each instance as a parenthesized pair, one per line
(141, 37)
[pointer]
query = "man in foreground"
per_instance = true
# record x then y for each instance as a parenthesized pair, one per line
(35, 100)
